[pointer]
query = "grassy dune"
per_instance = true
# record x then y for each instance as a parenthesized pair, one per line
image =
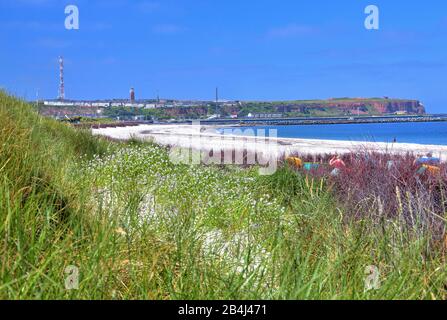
(140, 227)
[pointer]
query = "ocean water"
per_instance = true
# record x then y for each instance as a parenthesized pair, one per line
(409, 132)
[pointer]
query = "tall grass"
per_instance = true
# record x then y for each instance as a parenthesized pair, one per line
(139, 227)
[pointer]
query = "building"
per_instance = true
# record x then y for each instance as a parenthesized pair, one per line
(101, 104)
(132, 95)
(267, 115)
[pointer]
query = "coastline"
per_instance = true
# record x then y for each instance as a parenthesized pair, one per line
(204, 137)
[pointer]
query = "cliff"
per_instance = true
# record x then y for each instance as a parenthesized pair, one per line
(334, 107)
(343, 106)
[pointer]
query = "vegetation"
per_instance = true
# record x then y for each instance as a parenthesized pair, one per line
(139, 226)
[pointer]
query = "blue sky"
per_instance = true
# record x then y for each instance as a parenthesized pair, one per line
(260, 50)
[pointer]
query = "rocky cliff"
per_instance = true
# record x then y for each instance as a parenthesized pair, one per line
(350, 106)
(335, 107)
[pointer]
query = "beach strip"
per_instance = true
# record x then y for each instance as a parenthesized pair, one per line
(205, 138)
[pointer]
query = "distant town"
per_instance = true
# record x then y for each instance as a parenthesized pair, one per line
(170, 110)
(142, 104)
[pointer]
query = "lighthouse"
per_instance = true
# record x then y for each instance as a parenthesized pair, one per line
(132, 95)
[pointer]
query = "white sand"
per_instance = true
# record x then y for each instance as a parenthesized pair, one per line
(206, 138)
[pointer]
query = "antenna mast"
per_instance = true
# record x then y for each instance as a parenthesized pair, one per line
(61, 79)
(217, 95)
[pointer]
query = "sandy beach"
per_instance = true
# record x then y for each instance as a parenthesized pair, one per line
(206, 138)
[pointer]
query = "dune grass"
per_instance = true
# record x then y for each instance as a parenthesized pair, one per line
(140, 227)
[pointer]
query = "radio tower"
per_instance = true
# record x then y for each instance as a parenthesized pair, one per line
(217, 95)
(61, 79)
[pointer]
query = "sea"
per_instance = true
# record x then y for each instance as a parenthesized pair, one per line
(432, 133)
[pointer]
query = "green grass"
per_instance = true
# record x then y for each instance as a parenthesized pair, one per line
(140, 227)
